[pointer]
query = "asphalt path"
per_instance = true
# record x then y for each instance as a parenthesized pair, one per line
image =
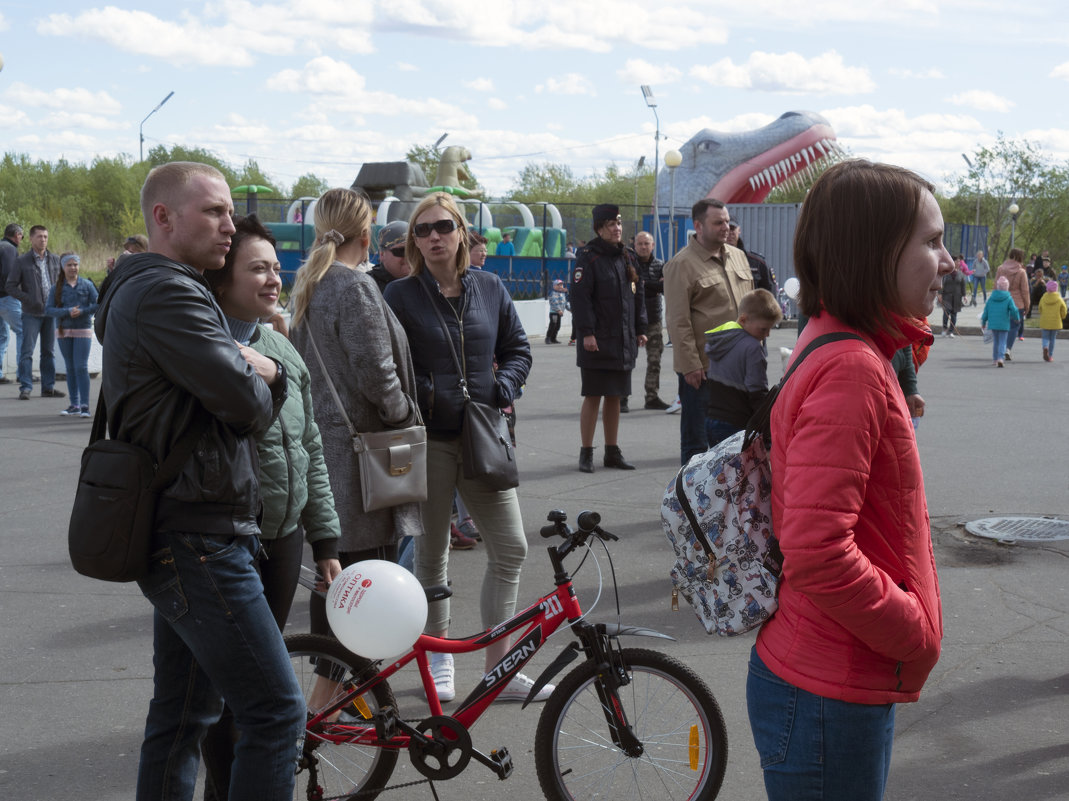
(75, 661)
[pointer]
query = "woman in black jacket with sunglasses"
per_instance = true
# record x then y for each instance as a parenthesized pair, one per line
(491, 345)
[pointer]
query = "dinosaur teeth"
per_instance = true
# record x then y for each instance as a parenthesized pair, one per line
(797, 169)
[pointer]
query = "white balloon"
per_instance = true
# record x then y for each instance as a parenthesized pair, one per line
(376, 609)
(791, 287)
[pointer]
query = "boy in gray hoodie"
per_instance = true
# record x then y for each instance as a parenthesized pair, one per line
(738, 365)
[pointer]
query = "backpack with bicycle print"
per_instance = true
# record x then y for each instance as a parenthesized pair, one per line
(717, 514)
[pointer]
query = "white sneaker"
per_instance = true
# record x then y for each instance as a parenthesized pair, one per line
(442, 673)
(674, 406)
(520, 687)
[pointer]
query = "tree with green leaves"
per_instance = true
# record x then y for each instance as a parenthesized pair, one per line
(1008, 172)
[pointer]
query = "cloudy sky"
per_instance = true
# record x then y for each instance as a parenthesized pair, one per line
(323, 86)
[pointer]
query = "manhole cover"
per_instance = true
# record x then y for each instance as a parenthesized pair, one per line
(1011, 529)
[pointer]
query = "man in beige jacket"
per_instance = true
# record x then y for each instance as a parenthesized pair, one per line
(703, 284)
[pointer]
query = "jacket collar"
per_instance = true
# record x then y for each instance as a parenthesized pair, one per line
(902, 332)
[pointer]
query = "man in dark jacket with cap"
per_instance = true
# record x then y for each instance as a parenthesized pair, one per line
(609, 322)
(392, 263)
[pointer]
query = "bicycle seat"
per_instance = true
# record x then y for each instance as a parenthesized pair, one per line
(439, 593)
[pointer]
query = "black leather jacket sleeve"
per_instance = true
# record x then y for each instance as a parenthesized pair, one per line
(166, 353)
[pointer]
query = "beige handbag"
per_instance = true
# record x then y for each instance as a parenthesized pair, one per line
(393, 463)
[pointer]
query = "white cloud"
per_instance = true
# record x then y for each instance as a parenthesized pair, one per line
(480, 85)
(4, 24)
(932, 74)
(13, 118)
(554, 25)
(404, 66)
(637, 71)
(981, 101)
(571, 84)
(70, 100)
(243, 30)
(1061, 71)
(337, 83)
(497, 103)
(790, 73)
(80, 121)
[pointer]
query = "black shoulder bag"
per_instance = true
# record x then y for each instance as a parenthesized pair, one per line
(115, 505)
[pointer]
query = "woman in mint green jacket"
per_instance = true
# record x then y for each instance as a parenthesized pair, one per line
(294, 485)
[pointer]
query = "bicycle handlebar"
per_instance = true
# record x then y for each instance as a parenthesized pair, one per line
(587, 521)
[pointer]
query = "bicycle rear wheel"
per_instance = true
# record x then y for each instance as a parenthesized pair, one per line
(671, 711)
(324, 668)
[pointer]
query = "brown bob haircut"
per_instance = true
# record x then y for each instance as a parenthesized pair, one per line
(855, 222)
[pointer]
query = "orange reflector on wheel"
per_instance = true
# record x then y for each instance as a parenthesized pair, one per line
(365, 710)
(693, 748)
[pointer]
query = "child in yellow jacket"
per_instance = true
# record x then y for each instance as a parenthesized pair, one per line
(1052, 311)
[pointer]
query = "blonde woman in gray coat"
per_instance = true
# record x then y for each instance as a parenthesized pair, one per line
(366, 354)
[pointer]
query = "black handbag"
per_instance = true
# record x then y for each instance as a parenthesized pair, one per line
(114, 510)
(485, 444)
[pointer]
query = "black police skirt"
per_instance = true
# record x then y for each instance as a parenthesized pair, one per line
(604, 382)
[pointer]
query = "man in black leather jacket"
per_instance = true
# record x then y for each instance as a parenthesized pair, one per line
(169, 363)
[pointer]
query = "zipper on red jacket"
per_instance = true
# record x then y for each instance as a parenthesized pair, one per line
(898, 672)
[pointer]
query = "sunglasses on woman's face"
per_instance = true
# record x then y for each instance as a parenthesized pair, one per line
(442, 227)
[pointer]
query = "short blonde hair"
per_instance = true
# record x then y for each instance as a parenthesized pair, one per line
(446, 201)
(164, 183)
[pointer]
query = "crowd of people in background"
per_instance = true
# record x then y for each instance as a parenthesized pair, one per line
(189, 322)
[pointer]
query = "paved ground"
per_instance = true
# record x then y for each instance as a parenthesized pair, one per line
(992, 724)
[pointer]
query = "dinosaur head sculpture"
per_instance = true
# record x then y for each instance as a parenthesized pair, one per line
(744, 167)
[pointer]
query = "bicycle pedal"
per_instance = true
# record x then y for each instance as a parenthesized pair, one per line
(386, 723)
(502, 760)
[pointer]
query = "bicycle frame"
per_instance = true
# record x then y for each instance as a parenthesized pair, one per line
(535, 625)
(541, 619)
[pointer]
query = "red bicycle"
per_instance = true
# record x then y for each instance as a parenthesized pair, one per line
(625, 723)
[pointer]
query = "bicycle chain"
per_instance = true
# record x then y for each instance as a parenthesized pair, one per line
(388, 787)
(360, 793)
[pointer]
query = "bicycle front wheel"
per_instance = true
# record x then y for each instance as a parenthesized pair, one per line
(329, 767)
(670, 710)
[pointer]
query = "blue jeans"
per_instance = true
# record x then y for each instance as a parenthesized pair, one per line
(719, 430)
(75, 352)
(979, 282)
(11, 320)
(1016, 329)
(814, 748)
(693, 403)
(214, 638)
(998, 344)
(1049, 336)
(34, 327)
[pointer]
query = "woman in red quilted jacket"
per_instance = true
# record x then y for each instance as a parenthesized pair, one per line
(859, 620)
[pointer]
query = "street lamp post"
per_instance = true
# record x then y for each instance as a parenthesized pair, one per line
(1014, 210)
(141, 129)
(977, 191)
(672, 159)
(651, 101)
(638, 169)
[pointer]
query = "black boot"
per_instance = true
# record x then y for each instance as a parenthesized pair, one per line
(586, 460)
(623, 405)
(614, 458)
